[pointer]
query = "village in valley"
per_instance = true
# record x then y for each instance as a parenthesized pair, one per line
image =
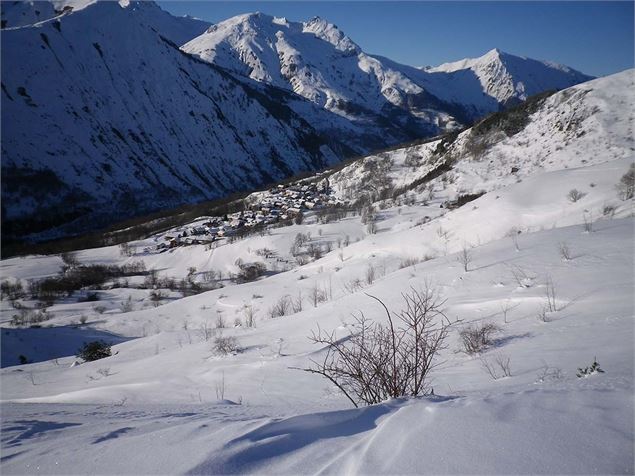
(279, 204)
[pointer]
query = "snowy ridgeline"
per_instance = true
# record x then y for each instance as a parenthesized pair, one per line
(534, 267)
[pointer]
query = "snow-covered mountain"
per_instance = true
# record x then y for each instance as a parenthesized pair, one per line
(108, 115)
(509, 79)
(318, 61)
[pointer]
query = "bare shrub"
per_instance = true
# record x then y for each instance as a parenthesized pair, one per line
(371, 274)
(127, 306)
(296, 303)
(497, 367)
(70, 259)
(465, 257)
(574, 195)
(281, 307)
(156, 297)
(626, 186)
(522, 277)
(513, 235)
(378, 361)
(220, 320)
(478, 337)
(565, 251)
(542, 314)
(219, 387)
(226, 345)
(206, 332)
(407, 262)
(505, 308)
(550, 295)
(609, 210)
(353, 285)
(317, 295)
(250, 317)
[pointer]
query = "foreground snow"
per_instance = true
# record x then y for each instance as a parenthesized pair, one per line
(169, 402)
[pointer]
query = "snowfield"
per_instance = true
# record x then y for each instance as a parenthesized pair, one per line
(552, 270)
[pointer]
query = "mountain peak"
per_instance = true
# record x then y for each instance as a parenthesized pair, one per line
(331, 33)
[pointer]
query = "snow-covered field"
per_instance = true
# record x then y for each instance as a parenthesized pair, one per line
(168, 402)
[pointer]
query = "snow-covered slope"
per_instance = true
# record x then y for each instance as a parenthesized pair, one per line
(587, 124)
(318, 61)
(109, 115)
(168, 401)
(508, 78)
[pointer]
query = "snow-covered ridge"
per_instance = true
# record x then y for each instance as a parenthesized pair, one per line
(318, 61)
(505, 76)
(587, 124)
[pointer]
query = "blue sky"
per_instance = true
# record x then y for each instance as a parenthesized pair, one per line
(593, 37)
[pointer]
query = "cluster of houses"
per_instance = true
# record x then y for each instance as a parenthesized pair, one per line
(283, 202)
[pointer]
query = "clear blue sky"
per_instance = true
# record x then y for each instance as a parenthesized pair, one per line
(593, 37)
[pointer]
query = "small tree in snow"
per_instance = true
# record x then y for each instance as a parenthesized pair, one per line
(574, 195)
(465, 257)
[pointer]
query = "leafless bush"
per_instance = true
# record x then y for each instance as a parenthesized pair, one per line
(565, 251)
(609, 210)
(353, 285)
(317, 295)
(126, 250)
(478, 337)
(219, 387)
(127, 306)
(513, 235)
(465, 257)
(206, 332)
(220, 320)
(497, 367)
(296, 303)
(70, 259)
(521, 277)
(626, 186)
(377, 361)
(250, 317)
(550, 295)
(371, 274)
(281, 307)
(156, 297)
(574, 195)
(505, 308)
(542, 314)
(549, 374)
(407, 262)
(226, 345)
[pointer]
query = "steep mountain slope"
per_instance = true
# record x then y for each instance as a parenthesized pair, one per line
(587, 124)
(108, 115)
(318, 61)
(508, 78)
(177, 29)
